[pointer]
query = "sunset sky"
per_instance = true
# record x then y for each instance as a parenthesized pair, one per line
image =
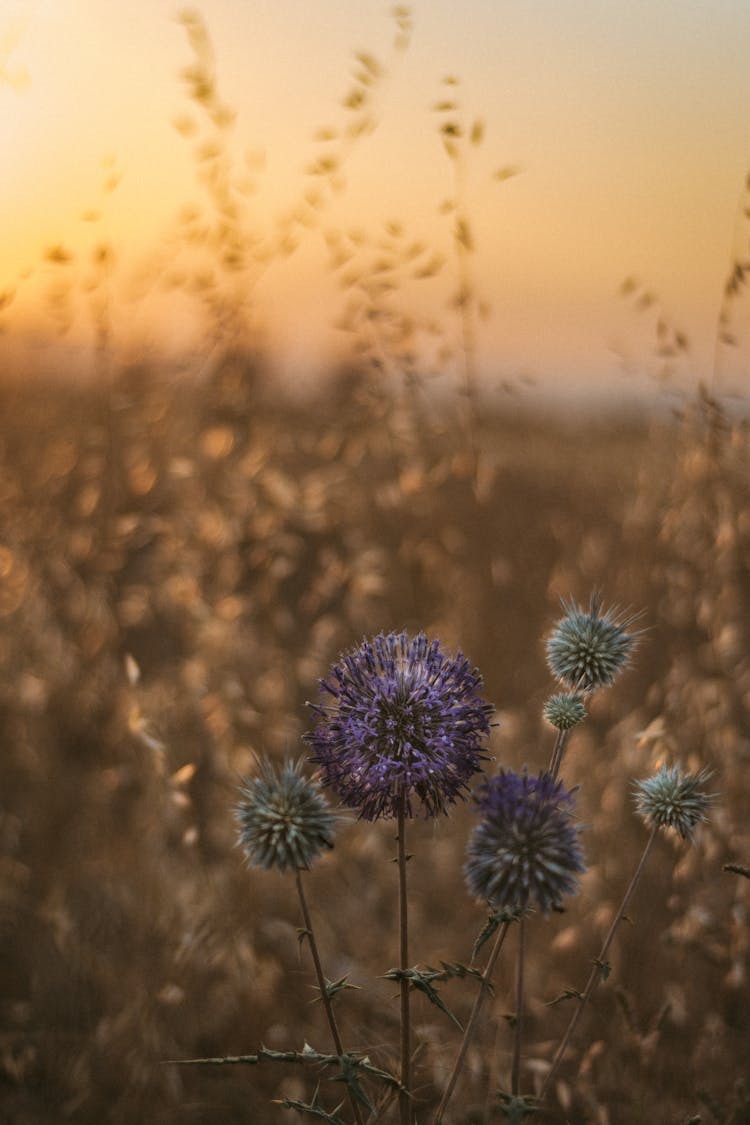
(628, 124)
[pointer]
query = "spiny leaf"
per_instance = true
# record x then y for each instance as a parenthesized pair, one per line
(566, 994)
(308, 1054)
(350, 1076)
(313, 1108)
(493, 921)
(456, 969)
(333, 987)
(422, 980)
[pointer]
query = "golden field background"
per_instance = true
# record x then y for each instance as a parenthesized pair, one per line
(180, 563)
(194, 527)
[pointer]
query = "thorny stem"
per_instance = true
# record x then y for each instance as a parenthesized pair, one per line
(484, 985)
(596, 971)
(515, 1080)
(310, 935)
(404, 1097)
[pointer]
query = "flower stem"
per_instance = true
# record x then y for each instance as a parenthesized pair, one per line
(484, 985)
(557, 753)
(596, 972)
(310, 934)
(404, 1096)
(515, 1081)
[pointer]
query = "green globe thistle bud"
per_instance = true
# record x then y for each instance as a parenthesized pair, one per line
(284, 818)
(673, 799)
(586, 651)
(564, 710)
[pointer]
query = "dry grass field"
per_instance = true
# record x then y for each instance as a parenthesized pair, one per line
(179, 564)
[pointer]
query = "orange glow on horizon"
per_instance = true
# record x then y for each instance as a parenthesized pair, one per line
(627, 127)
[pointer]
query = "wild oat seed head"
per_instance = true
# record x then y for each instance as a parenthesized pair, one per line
(284, 818)
(672, 798)
(525, 851)
(399, 720)
(564, 710)
(588, 650)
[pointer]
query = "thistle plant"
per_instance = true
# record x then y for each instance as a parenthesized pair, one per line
(673, 799)
(586, 651)
(400, 730)
(284, 818)
(670, 799)
(523, 855)
(285, 822)
(402, 723)
(564, 710)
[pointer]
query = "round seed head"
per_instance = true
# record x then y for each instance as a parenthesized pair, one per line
(284, 818)
(674, 799)
(588, 650)
(564, 710)
(399, 722)
(525, 851)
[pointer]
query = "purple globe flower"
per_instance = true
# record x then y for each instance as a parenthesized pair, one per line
(399, 720)
(525, 852)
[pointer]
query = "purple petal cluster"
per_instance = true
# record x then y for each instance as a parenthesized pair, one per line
(525, 852)
(400, 721)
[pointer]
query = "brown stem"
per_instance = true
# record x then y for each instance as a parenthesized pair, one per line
(322, 987)
(404, 1097)
(557, 753)
(596, 973)
(484, 985)
(515, 1081)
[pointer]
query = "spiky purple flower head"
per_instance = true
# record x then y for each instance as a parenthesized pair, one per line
(284, 818)
(588, 650)
(525, 851)
(400, 721)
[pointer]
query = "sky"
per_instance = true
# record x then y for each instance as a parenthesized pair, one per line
(625, 125)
